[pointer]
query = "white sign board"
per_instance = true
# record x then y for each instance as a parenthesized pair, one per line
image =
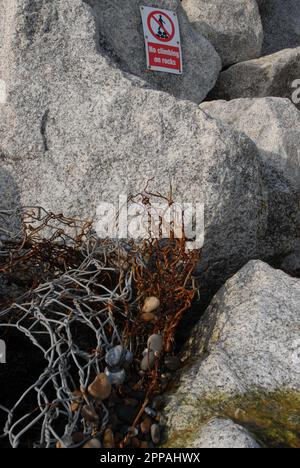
(162, 39)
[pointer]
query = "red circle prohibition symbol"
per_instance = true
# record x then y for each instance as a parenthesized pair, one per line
(161, 25)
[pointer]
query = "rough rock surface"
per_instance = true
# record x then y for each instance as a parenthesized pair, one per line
(75, 131)
(235, 31)
(222, 433)
(272, 75)
(281, 24)
(274, 125)
(247, 341)
(124, 43)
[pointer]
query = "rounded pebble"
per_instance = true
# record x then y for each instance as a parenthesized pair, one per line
(148, 361)
(150, 412)
(148, 317)
(155, 343)
(89, 414)
(114, 356)
(115, 377)
(108, 439)
(151, 304)
(172, 363)
(100, 388)
(146, 425)
(155, 433)
(92, 444)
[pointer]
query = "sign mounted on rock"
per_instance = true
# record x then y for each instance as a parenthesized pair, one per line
(162, 39)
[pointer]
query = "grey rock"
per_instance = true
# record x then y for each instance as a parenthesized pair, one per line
(254, 319)
(222, 433)
(121, 36)
(155, 434)
(247, 342)
(281, 24)
(272, 75)
(235, 30)
(148, 361)
(274, 126)
(76, 131)
(155, 343)
(116, 377)
(114, 356)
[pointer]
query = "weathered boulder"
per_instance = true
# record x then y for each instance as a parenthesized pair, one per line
(120, 34)
(235, 31)
(242, 360)
(272, 75)
(281, 24)
(223, 433)
(75, 131)
(274, 125)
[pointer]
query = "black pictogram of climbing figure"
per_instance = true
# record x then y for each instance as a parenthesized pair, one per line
(162, 32)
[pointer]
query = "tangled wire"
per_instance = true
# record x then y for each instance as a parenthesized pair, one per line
(85, 304)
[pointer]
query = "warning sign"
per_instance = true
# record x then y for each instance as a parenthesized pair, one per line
(162, 39)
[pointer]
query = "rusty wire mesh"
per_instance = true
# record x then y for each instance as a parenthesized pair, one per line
(75, 297)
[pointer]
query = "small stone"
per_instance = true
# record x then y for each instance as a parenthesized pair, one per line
(128, 358)
(108, 439)
(115, 377)
(89, 414)
(146, 425)
(132, 431)
(148, 361)
(161, 419)
(100, 388)
(172, 363)
(148, 317)
(151, 304)
(92, 444)
(114, 356)
(155, 433)
(158, 402)
(155, 343)
(150, 412)
(74, 406)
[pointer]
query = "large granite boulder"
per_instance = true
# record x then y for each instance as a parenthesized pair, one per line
(281, 24)
(272, 75)
(120, 34)
(274, 125)
(235, 30)
(242, 360)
